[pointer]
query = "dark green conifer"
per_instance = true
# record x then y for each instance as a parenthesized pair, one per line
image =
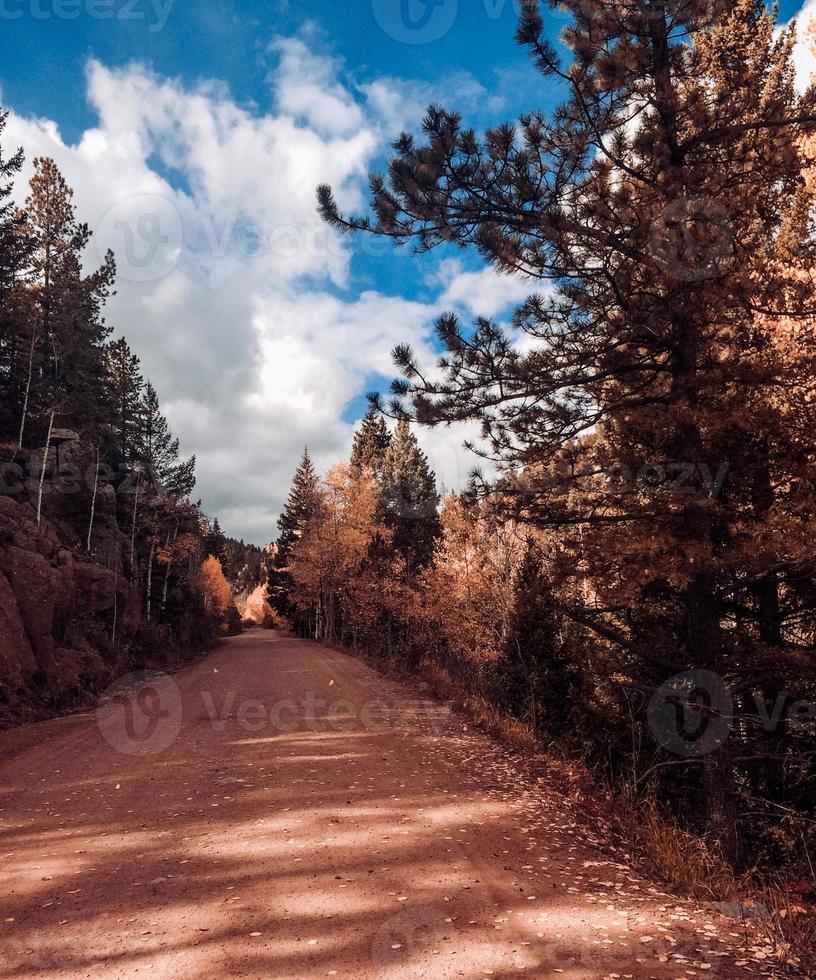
(126, 387)
(410, 499)
(70, 331)
(15, 326)
(157, 451)
(538, 682)
(371, 442)
(300, 507)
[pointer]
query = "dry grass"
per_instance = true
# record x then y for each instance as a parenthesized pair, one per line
(686, 862)
(791, 928)
(484, 715)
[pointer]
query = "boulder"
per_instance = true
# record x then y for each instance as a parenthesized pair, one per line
(64, 435)
(77, 466)
(95, 588)
(9, 509)
(34, 466)
(108, 541)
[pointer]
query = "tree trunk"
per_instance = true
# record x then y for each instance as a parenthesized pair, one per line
(28, 387)
(164, 588)
(115, 606)
(766, 591)
(133, 530)
(93, 503)
(704, 645)
(44, 465)
(150, 577)
(703, 636)
(171, 540)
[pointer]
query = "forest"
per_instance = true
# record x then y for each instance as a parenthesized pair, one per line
(630, 573)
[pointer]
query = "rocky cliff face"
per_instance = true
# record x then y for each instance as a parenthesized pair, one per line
(68, 614)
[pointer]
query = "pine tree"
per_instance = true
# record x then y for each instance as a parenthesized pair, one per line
(409, 498)
(125, 386)
(69, 328)
(215, 544)
(157, 451)
(15, 326)
(303, 500)
(538, 681)
(371, 442)
(299, 508)
(9, 220)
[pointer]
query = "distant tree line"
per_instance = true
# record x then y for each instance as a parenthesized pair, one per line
(244, 565)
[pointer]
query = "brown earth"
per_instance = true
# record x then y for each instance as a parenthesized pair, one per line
(281, 810)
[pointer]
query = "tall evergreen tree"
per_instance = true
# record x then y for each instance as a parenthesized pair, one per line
(538, 681)
(301, 505)
(125, 397)
(371, 442)
(409, 498)
(215, 544)
(68, 324)
(15, 329)
(9, 219)
(157, 451)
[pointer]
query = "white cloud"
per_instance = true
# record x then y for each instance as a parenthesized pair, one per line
(803, 55)
(306, 88)
(231, 290)
(484, 292)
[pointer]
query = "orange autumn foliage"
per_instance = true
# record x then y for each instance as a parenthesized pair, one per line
(330, 566)
(216, 588)
(466, 595)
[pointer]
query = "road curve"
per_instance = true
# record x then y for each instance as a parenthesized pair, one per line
(280, 810)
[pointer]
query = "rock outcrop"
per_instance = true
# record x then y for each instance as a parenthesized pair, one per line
(66, 613)
(58, 607)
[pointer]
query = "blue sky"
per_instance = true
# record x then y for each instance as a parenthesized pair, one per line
(194, 133)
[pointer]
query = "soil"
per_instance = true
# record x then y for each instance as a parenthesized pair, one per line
(282, 810)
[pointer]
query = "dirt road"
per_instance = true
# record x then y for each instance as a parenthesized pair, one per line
(280, 810)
